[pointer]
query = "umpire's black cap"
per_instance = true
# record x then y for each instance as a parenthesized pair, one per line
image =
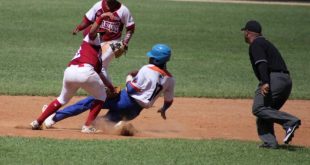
(253, 26)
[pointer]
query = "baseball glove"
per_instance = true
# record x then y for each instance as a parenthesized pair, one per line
(111, 94)
(118, 49)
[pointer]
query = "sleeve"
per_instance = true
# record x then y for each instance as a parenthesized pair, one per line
(127, 19)
(263, 72)
(138, 83)
(169, 91)
(258, 53)
(91, 13)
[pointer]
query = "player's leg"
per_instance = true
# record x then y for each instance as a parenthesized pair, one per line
(68, 90)
(124, 108)
(280, 91)
(95, 87)
(262, 109)
(75, 109)
(264, 124)
(128, 107)
(265, 130)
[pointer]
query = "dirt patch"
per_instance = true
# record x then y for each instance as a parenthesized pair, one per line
(190, 118)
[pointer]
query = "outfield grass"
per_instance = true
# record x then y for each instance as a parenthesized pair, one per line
(209, 55)
(152, 151)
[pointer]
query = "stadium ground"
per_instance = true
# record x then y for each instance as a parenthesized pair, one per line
(189, 118)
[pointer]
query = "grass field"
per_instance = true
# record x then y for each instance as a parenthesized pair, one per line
(209, 60)
(209, 55)
(151, 151)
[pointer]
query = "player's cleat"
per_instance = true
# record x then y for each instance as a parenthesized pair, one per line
(290, 133)
(119, 125)
(125, 129)
(35, 125)
(49, 122)
(88, 129)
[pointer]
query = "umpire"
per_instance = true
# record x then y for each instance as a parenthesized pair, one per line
(273, 89)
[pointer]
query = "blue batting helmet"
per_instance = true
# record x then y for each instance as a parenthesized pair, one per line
(161, 53)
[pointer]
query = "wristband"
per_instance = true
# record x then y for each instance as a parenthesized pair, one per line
(99, 20)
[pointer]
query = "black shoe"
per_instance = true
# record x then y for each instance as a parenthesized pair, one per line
(290, 133)
(268, 146)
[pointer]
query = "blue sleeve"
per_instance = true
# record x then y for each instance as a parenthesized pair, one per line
(130, 89)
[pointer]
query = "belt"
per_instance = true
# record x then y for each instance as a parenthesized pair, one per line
(78, 65)
(281, 71)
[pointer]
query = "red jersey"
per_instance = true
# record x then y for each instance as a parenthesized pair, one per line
(88, 54)
(111, 29)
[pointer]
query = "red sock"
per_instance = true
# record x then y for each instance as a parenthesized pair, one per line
(52, 107)
(94, 111)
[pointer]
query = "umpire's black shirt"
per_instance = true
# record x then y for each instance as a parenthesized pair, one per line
(265, 58)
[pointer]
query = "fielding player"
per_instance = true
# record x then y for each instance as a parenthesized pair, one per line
(142, 90)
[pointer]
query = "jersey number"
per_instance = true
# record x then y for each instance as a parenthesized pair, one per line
(158, 88)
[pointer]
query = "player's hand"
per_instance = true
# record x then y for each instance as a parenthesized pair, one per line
(125, 46)
(264, 89)
(162, 113)
(112, 89)
(75, 31)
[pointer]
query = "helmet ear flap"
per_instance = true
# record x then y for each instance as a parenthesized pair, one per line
(158, 63)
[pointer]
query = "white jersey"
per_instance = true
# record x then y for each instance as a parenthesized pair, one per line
(149, 83)
(112, 28)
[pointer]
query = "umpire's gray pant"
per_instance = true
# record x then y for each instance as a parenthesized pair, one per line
(266, 108)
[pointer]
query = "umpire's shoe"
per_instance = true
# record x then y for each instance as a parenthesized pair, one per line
(268, 146)
(290, 132)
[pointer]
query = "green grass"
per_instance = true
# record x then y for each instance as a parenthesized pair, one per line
(209, 55)
(151, 151)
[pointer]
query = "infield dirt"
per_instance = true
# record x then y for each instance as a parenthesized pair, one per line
(189, 118)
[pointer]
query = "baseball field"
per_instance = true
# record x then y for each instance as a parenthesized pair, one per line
(210, 121)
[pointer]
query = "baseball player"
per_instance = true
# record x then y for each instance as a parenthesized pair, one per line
(83, 71)
(113, 16)
(111, 27)
(108, 26)
(143, 87)
(274, 87)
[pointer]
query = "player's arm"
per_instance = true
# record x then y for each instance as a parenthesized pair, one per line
(261, 63)
(83, 25)
(96, 25)
(88, 19)
(129, 33)
(168, 98)
(106, 82)
(164, 108)
(263, 71)
(134, 84)
(129, 23)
